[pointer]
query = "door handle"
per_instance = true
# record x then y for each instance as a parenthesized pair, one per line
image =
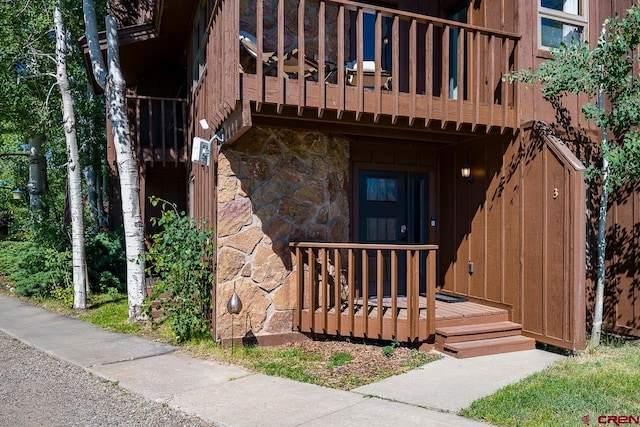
(403, 229)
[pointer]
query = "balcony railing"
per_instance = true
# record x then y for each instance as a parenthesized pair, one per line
(366, 290)
(360, 59)
(158, 129)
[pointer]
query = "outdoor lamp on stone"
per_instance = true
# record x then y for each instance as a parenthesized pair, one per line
(234, 306)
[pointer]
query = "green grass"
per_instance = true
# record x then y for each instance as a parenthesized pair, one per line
(110, 312)
(292, 363)
(339, 359)
(605, 381)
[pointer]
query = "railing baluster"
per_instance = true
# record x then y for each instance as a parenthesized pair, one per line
(492, 80)
(444, 91)
(516, 89)
(138, 130)
(360, 59)
(337, 288)
(301, 62)
(174, 109)
(341, 81)
(260, 48)
(431, 294)
(416, 280)
(411, 296)
(394, 293)
(322, 87)
(380, 289)
(460, 75)
(428, 73)
(395, 67)
(351, 281)
(313, 280)
(163, 120)
(377, 80)
(187, 141)
(280, 64)
(413, 70)
(478, 80)
(365, 293)
(325, 289)
(504, 85)
(299, 286)
(150, 109)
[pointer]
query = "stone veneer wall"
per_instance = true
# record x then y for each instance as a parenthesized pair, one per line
(274, 186)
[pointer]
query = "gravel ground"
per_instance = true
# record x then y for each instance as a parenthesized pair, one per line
(38, 390)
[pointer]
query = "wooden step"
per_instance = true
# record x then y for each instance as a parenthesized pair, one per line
(474, 348)
(478, 331)
(451, 319)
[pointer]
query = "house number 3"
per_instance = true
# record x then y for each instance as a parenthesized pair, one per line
(556, 193)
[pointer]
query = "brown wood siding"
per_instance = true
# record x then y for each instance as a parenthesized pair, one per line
(526, 243)
(622, 311)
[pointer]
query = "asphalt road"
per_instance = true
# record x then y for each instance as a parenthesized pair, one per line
(38, 390)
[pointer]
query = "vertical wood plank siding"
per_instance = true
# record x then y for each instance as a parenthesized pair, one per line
(332, 296)
(528, 202)
(483, 57)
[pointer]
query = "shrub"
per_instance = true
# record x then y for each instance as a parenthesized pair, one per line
(180, 259)
(106, 261)
(34, 270)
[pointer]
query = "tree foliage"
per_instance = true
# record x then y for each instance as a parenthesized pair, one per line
(30, 105)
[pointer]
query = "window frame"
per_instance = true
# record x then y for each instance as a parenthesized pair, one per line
(581, 20)
(199, 40)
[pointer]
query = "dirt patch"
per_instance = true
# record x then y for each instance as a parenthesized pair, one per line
(330, 363)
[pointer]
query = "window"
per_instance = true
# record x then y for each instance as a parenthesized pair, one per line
(199, 39)
(561, 21)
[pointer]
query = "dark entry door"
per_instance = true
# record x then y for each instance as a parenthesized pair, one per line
(392, 210)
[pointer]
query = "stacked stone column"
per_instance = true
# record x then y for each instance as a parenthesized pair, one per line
(274, 186)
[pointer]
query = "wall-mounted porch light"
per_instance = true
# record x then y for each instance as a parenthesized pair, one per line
(465, 172)
(204, 124)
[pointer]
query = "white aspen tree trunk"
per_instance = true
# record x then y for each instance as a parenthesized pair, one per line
(598, 308)
(74, 176)
(129, 176)
(114, 85)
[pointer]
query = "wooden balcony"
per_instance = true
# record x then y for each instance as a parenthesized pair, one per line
(158, 129)
(361, 63)
(334, 278)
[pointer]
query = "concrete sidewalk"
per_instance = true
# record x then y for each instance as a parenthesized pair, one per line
(229, 395)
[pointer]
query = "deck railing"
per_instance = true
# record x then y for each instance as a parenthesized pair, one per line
(366, 290)
(158, 128)
(360, 59)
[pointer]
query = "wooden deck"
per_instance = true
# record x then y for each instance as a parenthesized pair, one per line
(447, 314)
(463, 329)
(332, 276)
